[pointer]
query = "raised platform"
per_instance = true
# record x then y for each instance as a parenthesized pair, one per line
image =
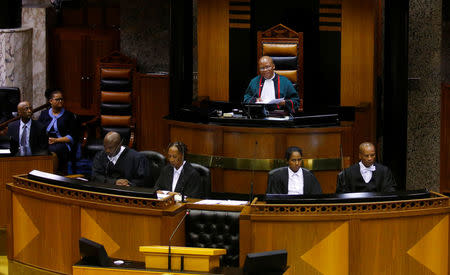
(240, 155)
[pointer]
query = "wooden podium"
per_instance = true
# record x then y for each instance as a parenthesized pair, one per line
(195, 258)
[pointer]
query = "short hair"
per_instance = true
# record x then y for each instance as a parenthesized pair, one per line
(291, 150)
(50, 92)
(182, 148)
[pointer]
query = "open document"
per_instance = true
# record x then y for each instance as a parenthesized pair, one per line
(273, 101)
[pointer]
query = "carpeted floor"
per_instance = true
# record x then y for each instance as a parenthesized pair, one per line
(3, 258)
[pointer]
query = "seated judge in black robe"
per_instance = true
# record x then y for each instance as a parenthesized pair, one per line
(367, 175)
(179, 175)
(61, 128)
(119, 165)
(28, 136)
(293, 179)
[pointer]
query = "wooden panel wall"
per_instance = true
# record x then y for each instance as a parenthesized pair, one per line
(152, 93)
(445, 138)
(213, 49)
(358, 52)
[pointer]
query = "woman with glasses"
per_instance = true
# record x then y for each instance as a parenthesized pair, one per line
(293, 179)
(61, 128)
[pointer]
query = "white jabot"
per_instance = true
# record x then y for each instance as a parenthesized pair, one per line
(295, 184)
(268, 90)
(366, 172)
(176, 176)
(116, 157)
(27, 134)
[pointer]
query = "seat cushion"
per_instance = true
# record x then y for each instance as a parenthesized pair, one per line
(115, 73)
(279, 49)
(118, 85)
(215, 229)
(115, 109)
(285, 62)
(115, 121)
(116, 97)
(290, 74)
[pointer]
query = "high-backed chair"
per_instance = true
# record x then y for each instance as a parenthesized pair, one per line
(205, 178)
(215, 229)
(285, 47)
(9, 98)
(116, 112)
(156, 162)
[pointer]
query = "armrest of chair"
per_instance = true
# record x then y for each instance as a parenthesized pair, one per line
(85, 126)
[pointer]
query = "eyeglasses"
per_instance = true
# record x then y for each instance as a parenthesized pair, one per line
(58, 99)
(266, 68)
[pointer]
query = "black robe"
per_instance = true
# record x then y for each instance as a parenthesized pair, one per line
(278, 182)
(188, 183)
(131, 165)
(351, 180)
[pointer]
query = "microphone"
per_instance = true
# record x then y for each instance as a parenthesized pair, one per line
(169, 255)
(253, 173)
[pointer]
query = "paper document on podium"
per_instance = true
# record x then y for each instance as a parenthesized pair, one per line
(273, 101)
(5, 152)
(222, 202)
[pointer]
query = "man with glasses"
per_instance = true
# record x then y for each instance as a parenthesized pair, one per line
(293, 179)
(119, 165)
(270, 85)
(366, 175)
(28, 136)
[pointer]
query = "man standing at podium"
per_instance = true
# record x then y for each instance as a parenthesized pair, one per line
(270, 85)
(28, 136)
(367, 175)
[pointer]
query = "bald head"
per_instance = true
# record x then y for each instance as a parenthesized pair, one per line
(111, 143)
(367, 153)
(266, 67)
(365, 145)
(24, 110)
(266, 58)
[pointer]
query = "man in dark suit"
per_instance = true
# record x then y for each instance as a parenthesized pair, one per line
(27, 135)
(367, 175)
(119, 165)
(293, 179)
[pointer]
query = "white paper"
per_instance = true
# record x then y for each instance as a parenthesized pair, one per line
(5, 151)
(221, 202)
(273, 101)
(277, 118)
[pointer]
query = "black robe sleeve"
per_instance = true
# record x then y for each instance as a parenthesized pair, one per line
(141, 170)
(99, 166)
(389, 184)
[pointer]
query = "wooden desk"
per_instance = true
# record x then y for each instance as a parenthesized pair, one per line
(402, 237)
(11, 166)
(47, 222)
(89, 270)
(245, 146)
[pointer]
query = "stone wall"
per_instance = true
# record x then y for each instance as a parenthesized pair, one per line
(144, 33)
(424, 58)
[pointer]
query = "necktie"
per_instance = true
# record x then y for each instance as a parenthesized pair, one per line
(23, 139)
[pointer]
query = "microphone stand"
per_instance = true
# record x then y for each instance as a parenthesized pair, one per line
(169, 255)
(253, 173)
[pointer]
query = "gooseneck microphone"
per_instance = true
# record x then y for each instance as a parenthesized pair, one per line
(169, 255)
(253, 172)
